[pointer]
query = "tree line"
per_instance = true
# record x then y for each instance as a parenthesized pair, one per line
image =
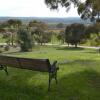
(37, 32)
(25, 36)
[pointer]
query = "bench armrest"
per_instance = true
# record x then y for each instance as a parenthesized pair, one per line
(54, 68)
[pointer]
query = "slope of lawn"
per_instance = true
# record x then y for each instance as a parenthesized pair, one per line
(78, 77)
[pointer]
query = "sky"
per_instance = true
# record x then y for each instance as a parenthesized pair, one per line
(32, 8)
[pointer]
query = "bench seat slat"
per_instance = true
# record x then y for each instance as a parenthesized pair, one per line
(35, 64)
(9, 61)
(26, 63)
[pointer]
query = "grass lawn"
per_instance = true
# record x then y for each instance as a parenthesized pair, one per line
(78, 77)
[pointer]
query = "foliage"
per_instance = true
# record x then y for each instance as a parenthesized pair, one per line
(55, 4)
(75, 33)
(54, 36)
(60, 25)
(38, 24)
(39, 31)
(12, 27)
(9, 29)
(61, 36)
(94, 31)
(95, 41)
(14, 23)
(24, 40)
(2, 30)
(41, 36)
(7, 37)
(87, 9)
(90, 9)
(6, 48)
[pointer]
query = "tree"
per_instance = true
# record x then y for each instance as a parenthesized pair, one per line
(39, 31)
(94, 29)
(94, 32)
(87, 9)
(90, 9)
(74, 34)
(42, 36)
(2, 30)
(37, 24)
(60, 25)
(24, 40)
(61, 36)
(55, 4)
(13, 25)
(7, 36)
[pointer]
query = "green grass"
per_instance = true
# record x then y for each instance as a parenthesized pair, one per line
(78, 77)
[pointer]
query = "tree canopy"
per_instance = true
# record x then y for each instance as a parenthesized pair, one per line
(88, 9)
(14, 22)
(55, 4)
(24, 39)
(74, 34)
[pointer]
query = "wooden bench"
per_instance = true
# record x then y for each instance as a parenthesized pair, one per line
(42, 65)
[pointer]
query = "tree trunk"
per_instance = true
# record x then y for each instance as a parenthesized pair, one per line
(75, 45)
(12, 39)
(99, 50)
(68, 44)
(41, 43)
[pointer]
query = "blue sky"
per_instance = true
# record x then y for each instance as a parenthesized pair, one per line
(32, 8)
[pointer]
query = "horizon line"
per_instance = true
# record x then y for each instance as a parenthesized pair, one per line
(41, 17)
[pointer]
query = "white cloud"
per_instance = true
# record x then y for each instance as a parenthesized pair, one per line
(31, 8)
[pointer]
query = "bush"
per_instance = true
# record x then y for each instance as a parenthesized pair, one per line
(24, 40)
(6, 48)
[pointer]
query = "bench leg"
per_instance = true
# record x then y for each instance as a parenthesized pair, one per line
(5, 69)
(2, 67)
(50, 78)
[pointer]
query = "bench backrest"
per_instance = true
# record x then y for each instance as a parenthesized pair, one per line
(26, 63)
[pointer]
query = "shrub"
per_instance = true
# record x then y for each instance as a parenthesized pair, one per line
(24, 39)
(6, 48)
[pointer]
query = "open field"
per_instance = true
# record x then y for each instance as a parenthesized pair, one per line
(78, 77)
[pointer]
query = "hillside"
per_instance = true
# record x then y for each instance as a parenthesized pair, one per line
(48, 20)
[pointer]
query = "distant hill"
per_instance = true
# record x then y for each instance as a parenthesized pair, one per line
(49, 20)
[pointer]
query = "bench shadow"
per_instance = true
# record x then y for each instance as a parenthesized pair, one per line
(81, 62)
(83, 85)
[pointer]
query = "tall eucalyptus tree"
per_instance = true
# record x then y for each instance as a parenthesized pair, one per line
(13, 25)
